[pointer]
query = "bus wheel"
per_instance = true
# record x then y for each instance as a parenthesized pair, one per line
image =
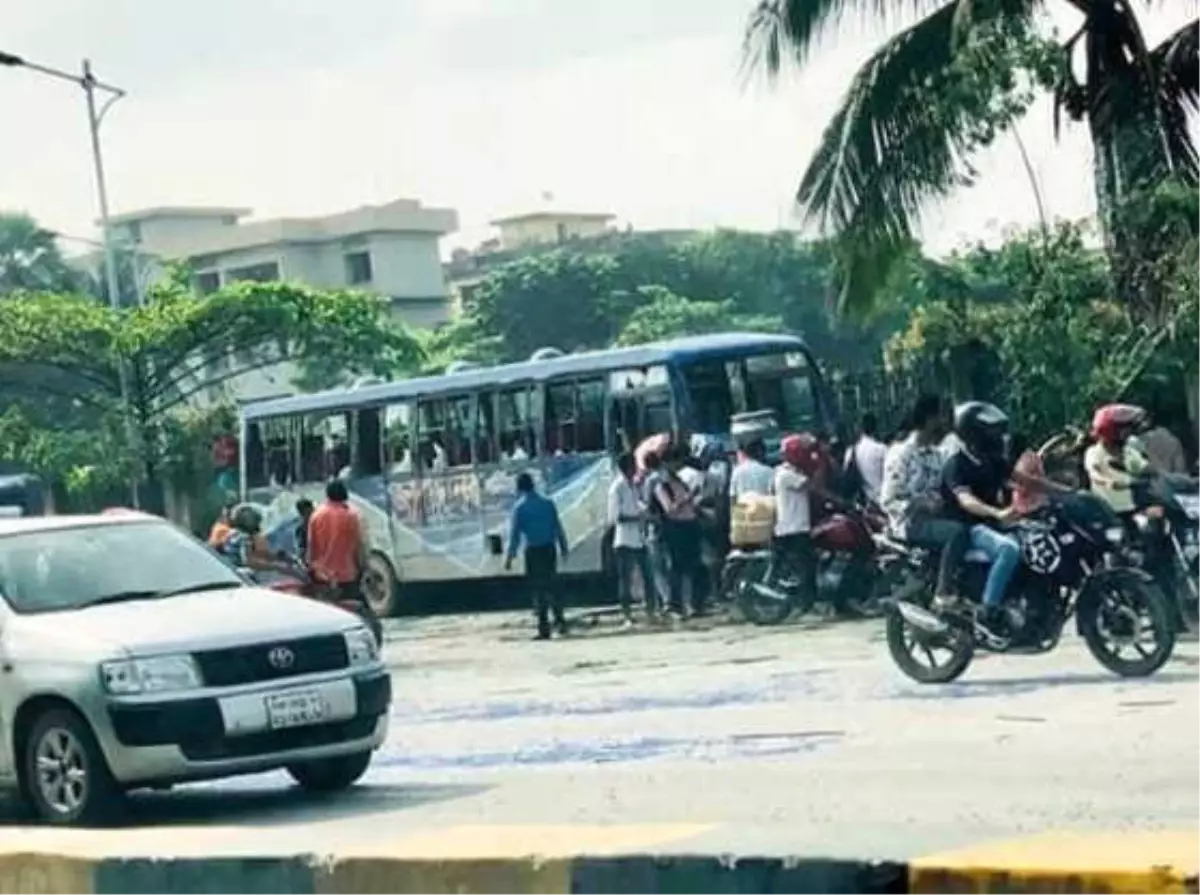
(379, 585)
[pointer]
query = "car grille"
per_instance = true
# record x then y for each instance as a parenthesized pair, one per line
(248, 664)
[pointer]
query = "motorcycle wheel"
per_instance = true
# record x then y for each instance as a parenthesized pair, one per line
(1115, 622)
(755, 607)
(904, 641)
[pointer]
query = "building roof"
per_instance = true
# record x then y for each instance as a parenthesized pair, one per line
(684, 349)
(178, 211)
(553, 216)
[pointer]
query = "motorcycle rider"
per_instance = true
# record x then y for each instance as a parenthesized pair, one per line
(911, 494)
(1112, 462)
(792, 547)
(974, 482)
(247, 546)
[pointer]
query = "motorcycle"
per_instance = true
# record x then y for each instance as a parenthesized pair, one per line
(1167, 518)
(1071, 564)
(300, 583)
(849, 573)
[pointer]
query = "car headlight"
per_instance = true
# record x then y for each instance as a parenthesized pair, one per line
(361, 647)
(1114, 534)
(158, 674)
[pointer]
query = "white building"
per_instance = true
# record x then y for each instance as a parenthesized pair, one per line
(389, 249)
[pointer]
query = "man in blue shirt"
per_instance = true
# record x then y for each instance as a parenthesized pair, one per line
(535, 522)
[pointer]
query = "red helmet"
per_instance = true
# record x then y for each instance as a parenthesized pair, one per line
(1113, 423)
(804, 452)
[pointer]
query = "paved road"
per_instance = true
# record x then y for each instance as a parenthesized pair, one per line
(802, 739)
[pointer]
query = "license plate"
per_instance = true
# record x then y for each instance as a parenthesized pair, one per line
(297, 708)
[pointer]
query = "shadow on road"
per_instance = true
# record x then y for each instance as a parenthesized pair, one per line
(265, 805)
(1014, 686)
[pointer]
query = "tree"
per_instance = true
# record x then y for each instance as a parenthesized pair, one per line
(664, 315)
(180, 348)
(944, 87)
(30, 259)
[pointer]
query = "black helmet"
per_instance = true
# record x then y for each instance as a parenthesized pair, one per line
(246, 518)
(982, 428)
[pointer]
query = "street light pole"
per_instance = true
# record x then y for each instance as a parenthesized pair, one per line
(90, 85)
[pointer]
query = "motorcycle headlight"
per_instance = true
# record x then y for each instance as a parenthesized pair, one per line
(1114, 534)
(157, 674)
(361, 647)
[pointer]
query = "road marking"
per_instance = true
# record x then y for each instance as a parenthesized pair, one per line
(1131, 862)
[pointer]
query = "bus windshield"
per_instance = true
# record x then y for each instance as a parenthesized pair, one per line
(782, 383)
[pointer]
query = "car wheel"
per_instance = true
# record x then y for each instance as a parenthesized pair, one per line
(67, 780)
(330, 774)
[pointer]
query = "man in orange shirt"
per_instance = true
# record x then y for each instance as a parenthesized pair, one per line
(337, 551)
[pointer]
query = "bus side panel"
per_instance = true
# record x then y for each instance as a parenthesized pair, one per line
(437, 518)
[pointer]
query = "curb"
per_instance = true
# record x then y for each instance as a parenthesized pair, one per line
(60, 873)
(600, 860)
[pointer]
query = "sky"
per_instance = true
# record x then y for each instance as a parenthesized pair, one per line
(293, 107)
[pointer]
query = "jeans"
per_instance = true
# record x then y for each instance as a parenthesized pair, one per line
(951, 538)
(541, 570)
(683, 545)
(794, 556)
(627, 559)
(1005, 555)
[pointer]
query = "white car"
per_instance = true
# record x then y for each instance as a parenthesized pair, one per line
(131, 656)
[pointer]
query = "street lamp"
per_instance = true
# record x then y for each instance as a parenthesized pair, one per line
(90, 86)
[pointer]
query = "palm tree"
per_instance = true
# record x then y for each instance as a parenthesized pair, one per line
(30, 259)
(908, 125)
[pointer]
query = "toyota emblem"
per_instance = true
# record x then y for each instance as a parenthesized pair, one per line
(281, 658)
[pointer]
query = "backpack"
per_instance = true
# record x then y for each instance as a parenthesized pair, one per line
(851, 484)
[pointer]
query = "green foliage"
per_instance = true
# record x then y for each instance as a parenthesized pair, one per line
(667, 315)
(940, 90)
(584, 297)
(180, 348)
(30, 259)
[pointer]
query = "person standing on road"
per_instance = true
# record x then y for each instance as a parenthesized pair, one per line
(627, 516)
(792, 547)
(304, 511)
(681, 530)
(337, 550)
(656, 544)
(864, 461)
(535, 524)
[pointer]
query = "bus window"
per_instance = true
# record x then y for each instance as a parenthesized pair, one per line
(459, 431)
(711, 398)
(397, 443)
(783, 383)
(256, 460)
(641, 404)
(515, 423)
(367, 443)
(324, 447)
(431, 447)
(279, 445)
(485, 428)
(561, 424)
(590, 397)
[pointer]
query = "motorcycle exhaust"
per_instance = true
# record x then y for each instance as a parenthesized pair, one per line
(770, 593)
(920, 618)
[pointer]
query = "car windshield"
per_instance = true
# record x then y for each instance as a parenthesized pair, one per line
(66, 568)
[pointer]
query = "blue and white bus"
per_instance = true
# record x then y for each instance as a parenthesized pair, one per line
(431, 462)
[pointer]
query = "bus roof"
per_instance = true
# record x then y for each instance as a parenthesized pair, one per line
(683, 350)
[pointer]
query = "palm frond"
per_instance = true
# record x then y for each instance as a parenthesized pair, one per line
(791, 28)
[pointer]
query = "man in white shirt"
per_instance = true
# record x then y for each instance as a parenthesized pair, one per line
(751, 475)
(868, 454)
(627, 517)
(792, 547)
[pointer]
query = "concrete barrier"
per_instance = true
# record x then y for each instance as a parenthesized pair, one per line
(484, 859)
